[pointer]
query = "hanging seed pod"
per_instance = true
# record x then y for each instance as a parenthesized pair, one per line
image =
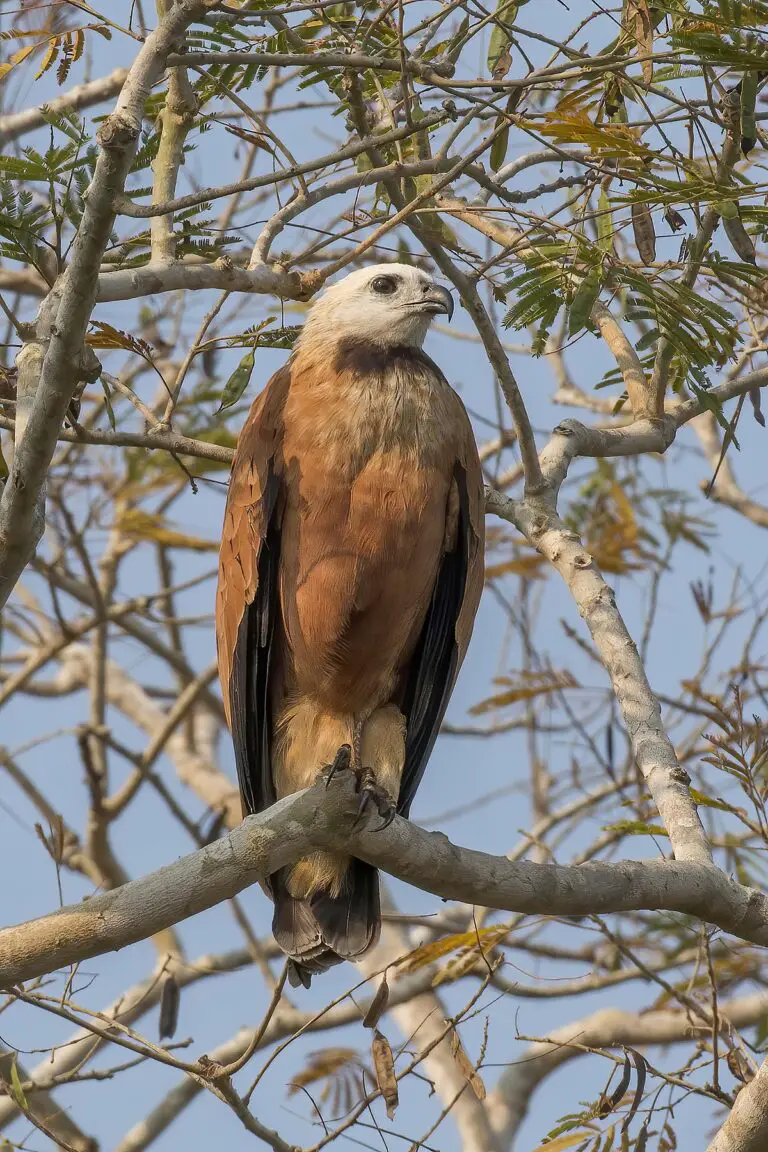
(378, 1005)
(674, 219)
(740, 239)
(384, 1066)
(754, 399)
(169, 1008)
(645, 233)
(748, 123)
(466, 1067)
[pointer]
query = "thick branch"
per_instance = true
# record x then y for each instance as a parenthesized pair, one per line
(81, 96)
(746, 1129)
(640, 708)
(323, 818)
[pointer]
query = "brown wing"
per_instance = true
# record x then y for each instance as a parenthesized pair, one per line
(247, 594)
(448, 627)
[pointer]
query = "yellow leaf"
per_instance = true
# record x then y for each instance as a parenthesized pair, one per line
(521, 566)
(530, 685)
(562, 1142)
(16, 58)
(428, 953)
(51, 53)
(139, 525)
(609, 139)
(16, 1089)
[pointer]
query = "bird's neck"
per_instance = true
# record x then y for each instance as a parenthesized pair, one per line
(368, 399)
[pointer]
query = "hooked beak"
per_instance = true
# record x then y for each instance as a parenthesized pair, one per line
(438, 299)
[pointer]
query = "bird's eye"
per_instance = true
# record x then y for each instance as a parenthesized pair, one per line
(384, 285)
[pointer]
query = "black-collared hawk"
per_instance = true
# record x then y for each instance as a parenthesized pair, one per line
(350, 572)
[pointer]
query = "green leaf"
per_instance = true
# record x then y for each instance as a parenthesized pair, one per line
(704, 801)
(499, 55)
(456, 43)
(3, 465)
(238, 381)
(584, 301)
(16, 1089)
(108, 404)
(499, 146)
(727, 208)
(635, 828)
(604, 223)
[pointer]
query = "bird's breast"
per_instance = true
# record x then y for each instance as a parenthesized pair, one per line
(367, 482)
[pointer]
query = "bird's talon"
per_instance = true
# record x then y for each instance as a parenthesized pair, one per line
(372, 794)
(341, 763)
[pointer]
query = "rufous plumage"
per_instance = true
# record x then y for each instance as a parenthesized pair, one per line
(350, 572)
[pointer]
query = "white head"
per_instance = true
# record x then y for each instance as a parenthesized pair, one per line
(387, 305)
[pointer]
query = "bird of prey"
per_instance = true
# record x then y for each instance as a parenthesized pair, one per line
(350, 572)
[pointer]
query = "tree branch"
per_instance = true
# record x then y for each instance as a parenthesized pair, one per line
(746, 1128)
(58, 335)
(81, 96)
(321, 817)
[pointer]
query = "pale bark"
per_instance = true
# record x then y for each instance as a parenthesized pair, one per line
(16, 124)
(322, 818)
(746, 1128)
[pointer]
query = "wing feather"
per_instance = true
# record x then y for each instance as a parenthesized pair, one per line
(247, 596)
(448, 627)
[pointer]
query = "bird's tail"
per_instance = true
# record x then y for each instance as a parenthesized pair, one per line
(321, 930)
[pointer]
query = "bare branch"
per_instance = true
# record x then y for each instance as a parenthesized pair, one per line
(292, 827)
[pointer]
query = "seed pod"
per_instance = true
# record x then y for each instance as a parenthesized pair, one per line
(748, 123)
(466, 1067)
(740, 239)
(169, 1008)
(754, 399)
(674, 219)
(384, 1066)
(378, 1005)
(645, 233)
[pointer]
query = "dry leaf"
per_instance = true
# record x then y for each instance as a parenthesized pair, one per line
(436, 949)
(343, 1072)
(466, 1067)
(640, 26)
(528, 686)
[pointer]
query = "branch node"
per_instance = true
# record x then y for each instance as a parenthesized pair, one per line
(118, 131)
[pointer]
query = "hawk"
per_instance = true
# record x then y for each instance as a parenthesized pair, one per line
(350, 572)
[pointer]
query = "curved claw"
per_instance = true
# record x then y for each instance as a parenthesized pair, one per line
(388, 818)
(373, 793)
(341, 763)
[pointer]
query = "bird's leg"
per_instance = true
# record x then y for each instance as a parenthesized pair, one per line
(372, 795)
(341, 763)
(357, 741)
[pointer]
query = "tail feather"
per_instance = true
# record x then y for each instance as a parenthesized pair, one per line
(324, 930)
